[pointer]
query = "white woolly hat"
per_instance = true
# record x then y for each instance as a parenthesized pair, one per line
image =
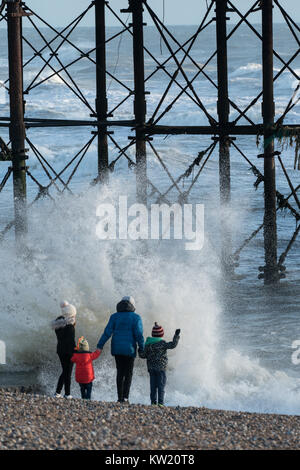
(68, 310)
(129, 298)
(64, 303)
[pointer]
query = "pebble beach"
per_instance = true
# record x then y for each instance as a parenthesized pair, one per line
(30, 421)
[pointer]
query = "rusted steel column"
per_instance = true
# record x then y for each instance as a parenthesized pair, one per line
(223, 114)
(101, 96)
(268, 111)
(136, 7)
(17, 127)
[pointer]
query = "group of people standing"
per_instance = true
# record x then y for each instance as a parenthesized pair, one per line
(125, 327)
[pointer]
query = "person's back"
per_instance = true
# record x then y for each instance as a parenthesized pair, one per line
(126, 330)
(125, 327)
(84, 372)
(156, 353)
(65, 334)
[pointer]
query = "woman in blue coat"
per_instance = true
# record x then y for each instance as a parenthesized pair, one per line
(126, 329)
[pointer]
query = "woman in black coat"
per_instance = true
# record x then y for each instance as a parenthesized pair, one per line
(64, 327)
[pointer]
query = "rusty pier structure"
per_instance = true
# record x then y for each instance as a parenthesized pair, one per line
(145, 127)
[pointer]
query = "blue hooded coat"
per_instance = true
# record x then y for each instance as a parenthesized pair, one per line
(126, 329)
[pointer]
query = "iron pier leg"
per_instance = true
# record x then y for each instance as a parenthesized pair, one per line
(101, 97)
(17, 127)
(223, 113)
(268, 111)
(136, 8)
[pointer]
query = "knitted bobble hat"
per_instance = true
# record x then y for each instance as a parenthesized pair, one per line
(83, 345)
(157, 331)
(68, 310)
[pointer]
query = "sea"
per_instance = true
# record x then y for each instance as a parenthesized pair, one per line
(238, 344)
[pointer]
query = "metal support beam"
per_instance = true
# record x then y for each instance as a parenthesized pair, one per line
(223, 114)
(136, 7)
(101, 96)
(17, 127)
(268, 112)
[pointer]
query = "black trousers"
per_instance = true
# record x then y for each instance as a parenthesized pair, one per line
(124, 375)
(86, 390)
(65, 377)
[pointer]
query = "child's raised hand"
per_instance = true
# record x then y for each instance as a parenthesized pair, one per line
(177, 332)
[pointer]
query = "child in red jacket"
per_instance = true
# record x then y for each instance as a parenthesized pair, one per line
(84, 373)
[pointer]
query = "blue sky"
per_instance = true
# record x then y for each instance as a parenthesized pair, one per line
(59, 12)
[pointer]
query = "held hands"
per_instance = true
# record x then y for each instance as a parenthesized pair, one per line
(177, 332)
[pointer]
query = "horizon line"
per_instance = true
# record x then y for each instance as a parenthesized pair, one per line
(147, 26)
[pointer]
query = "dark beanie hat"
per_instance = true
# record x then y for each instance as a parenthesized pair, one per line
(157, 331)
